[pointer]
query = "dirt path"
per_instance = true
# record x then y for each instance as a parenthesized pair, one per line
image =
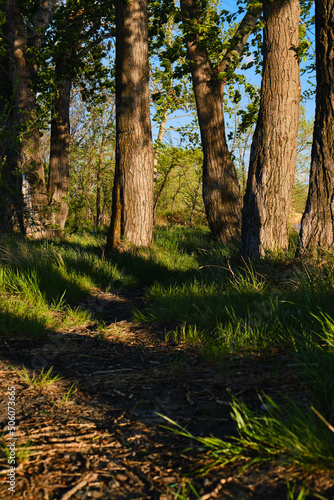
(106, 440)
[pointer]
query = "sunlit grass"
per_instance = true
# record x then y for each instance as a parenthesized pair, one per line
(41, 379)
(298, 433)
(41, 283)
(291, 436)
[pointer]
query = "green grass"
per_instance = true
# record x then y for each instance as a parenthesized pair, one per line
(223, 304)
(41, 379)
(51, 278)
(294, 433)
(293, 436)
(68, 395)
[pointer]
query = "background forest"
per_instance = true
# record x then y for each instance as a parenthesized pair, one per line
(64, 103)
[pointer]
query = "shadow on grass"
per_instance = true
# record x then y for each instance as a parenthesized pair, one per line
(15, 326)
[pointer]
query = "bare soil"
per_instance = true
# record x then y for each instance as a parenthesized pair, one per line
(107, 441)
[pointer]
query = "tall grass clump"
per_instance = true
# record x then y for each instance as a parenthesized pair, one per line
(290, 436)
(238, 303)
(26, 310)
(40, 283)
(317, 361)
(298, 433)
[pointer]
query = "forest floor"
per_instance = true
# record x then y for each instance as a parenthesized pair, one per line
(106, 439)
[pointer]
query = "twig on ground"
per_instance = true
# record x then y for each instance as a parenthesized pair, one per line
(88, 479)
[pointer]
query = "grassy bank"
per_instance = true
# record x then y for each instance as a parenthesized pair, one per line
(205, 295)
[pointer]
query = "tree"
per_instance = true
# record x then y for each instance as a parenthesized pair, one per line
(268, 197)
(11, 199)
(79, 28)
(23, 154)
(317, 228)
(132, 205)
(170, 90)
(59, 168)
(221, 191)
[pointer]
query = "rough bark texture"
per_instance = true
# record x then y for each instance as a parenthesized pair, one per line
(221, 190)
(132, 210)
(317, 229)
(11, 201)
(268, 197)
(28, 155)
(59, 173)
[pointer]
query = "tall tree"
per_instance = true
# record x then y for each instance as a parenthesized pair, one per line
(132, 205)
(59, 166)
(11, 199)
(317, 228)
(24, 152)
(268, 197)
(69, 21)
(79, 29)
(221, 190)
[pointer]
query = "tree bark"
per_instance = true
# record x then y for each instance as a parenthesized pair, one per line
(132, 208)
(268, 197)
(28, 157)
(221, 190)
(11, 200)
(59, 172)
(317, 227)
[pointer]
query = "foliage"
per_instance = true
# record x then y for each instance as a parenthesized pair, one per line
(178, 185)
(81, 29)
(92, 162)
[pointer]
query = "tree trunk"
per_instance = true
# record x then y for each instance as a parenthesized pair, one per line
(59, 173)
(28, 157)
(11, 200)
(268, 197)
(221, 190)
(98, 178)
(132, 212)
(317, 228)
